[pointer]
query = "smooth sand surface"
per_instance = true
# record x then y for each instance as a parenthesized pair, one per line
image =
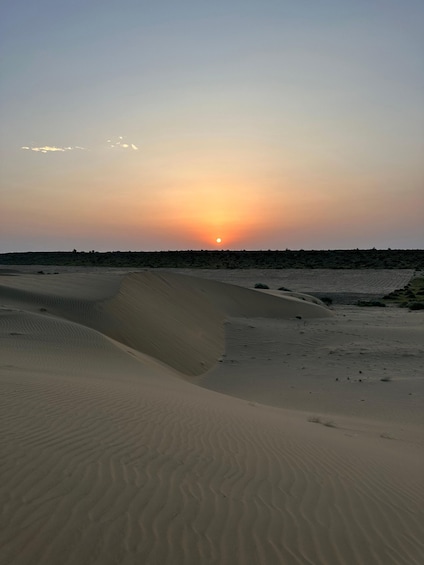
(156, 418)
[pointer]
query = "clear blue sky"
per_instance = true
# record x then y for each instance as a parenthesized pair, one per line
(167, 124)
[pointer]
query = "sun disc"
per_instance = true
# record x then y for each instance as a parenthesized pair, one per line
(218, 240)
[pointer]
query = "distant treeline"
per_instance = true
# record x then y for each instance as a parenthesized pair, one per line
(288, 259)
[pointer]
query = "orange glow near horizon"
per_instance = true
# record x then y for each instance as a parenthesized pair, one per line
(210, 210)
(202, 211)
(199, 200)
(190, 207)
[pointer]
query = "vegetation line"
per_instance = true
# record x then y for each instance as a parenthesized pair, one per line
(288, 259)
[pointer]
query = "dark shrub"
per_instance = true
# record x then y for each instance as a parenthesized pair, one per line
(416, 306)
(261, 285)
(370, 303)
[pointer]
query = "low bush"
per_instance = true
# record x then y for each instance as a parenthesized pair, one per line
(371, 303)
(416, 306)
(261, 285)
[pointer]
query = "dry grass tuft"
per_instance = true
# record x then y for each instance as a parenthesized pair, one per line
(319, 420)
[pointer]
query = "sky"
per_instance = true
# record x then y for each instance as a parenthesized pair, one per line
(168, 124)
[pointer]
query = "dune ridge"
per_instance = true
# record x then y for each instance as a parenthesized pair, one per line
(187, 314)
(113, 456)
(174, 318)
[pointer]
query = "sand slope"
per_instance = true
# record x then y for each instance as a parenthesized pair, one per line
(114, 455)
(171, 317)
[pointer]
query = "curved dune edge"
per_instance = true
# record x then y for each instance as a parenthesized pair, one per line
(165, 319)
(179, 319)
(108, 458)
(176, 319)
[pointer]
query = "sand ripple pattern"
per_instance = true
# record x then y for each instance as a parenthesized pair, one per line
(108, 457)
(106, 474)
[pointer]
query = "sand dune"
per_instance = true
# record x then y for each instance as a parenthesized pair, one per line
(171, 317)
(114, 454)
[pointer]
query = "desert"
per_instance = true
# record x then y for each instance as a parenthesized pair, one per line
(182, 416)
(212, 282)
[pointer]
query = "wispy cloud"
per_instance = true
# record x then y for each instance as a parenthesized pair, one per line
(119, 143)
(52, 148)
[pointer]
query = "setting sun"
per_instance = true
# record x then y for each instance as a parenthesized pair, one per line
(218, 240)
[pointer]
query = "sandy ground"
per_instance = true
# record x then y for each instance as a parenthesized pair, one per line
(158, 418)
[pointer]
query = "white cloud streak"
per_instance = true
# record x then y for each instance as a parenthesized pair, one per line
(119, 144)
(52, 149)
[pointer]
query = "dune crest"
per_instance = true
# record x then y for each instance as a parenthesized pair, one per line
(179, 319)
(174, 318)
